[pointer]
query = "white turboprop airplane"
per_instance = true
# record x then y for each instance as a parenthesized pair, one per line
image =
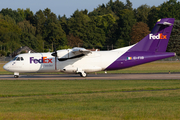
(82, 61)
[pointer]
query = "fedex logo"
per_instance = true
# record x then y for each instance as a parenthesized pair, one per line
(42, 60)
(159, 36)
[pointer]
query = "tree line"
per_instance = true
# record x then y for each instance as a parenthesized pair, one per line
(112, 25)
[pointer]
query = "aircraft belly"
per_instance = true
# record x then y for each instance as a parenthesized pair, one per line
(86, 63)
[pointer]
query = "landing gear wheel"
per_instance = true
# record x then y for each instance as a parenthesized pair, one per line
(83, 74)
(16, 76)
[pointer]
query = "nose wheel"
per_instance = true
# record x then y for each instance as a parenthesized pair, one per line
(16, 74)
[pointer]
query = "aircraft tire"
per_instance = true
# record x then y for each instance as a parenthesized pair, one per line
(83, 74)
(16, 76)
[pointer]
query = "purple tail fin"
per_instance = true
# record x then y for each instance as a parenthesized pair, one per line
(157, 40)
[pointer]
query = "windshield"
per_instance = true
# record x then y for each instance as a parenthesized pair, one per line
(15, 58)
(18, 59)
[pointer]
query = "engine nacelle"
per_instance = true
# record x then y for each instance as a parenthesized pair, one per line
(64, 54)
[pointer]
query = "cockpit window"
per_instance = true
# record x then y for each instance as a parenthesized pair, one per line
(15, 58)
(18, 59)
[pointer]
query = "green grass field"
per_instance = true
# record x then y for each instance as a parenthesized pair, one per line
(90, 99)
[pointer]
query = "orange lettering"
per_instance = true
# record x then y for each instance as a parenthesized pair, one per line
(44, 59)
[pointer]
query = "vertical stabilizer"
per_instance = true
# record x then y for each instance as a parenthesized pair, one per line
(157, 40)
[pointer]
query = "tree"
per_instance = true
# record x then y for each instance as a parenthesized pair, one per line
(128, 5)
(28, 36)
(12, 13)
(9, 31)
(169, 9)
(105, 22)
(84, 27)
(142, 12)
(174, 41)
(101, 10)
(153, 16)
(48, 26)
(56, 35)
(8, 26)
(63, 22)
(74, 41)
(39, 22)
(116, 6)
(139, 31)
(11, 41)
(125, 23)
(27, 27)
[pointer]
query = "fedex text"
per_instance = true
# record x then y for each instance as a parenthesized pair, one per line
(42, 60)
(159, 36)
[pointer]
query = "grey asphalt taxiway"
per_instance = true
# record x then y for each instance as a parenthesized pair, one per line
(108, 76)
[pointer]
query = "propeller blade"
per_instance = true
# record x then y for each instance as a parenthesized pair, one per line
(55, 52)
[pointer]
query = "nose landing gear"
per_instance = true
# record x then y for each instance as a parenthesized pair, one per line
(16, 74)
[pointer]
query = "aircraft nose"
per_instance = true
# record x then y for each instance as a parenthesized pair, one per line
(5, 67)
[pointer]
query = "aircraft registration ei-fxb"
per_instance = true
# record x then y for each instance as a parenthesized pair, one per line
(82, 61)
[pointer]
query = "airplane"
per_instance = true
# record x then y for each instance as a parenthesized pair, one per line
(82, 61)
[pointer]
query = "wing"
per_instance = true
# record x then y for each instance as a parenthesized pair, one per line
(75, 53)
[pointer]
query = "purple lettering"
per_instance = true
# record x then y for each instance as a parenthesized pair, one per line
(31, 59)
(42, 60)
(36, 61)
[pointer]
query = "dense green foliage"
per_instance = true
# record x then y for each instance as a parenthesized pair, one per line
(107, 25)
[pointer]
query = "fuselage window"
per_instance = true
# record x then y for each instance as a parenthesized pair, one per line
(22, 58)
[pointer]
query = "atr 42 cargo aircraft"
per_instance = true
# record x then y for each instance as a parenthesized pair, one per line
(82, 61)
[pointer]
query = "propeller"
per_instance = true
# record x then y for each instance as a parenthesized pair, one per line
(55, 55)
(55, 52)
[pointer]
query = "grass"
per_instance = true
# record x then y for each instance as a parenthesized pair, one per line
(153, 67)
(90, 99)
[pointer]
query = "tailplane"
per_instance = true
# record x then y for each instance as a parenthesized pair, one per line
(157, 40)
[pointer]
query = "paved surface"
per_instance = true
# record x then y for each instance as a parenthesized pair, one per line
(92, 77)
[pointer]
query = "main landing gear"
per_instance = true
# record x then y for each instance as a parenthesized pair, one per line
(16, 74)
(81, 72)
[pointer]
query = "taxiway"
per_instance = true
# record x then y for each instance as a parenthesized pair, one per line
(92, 77)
